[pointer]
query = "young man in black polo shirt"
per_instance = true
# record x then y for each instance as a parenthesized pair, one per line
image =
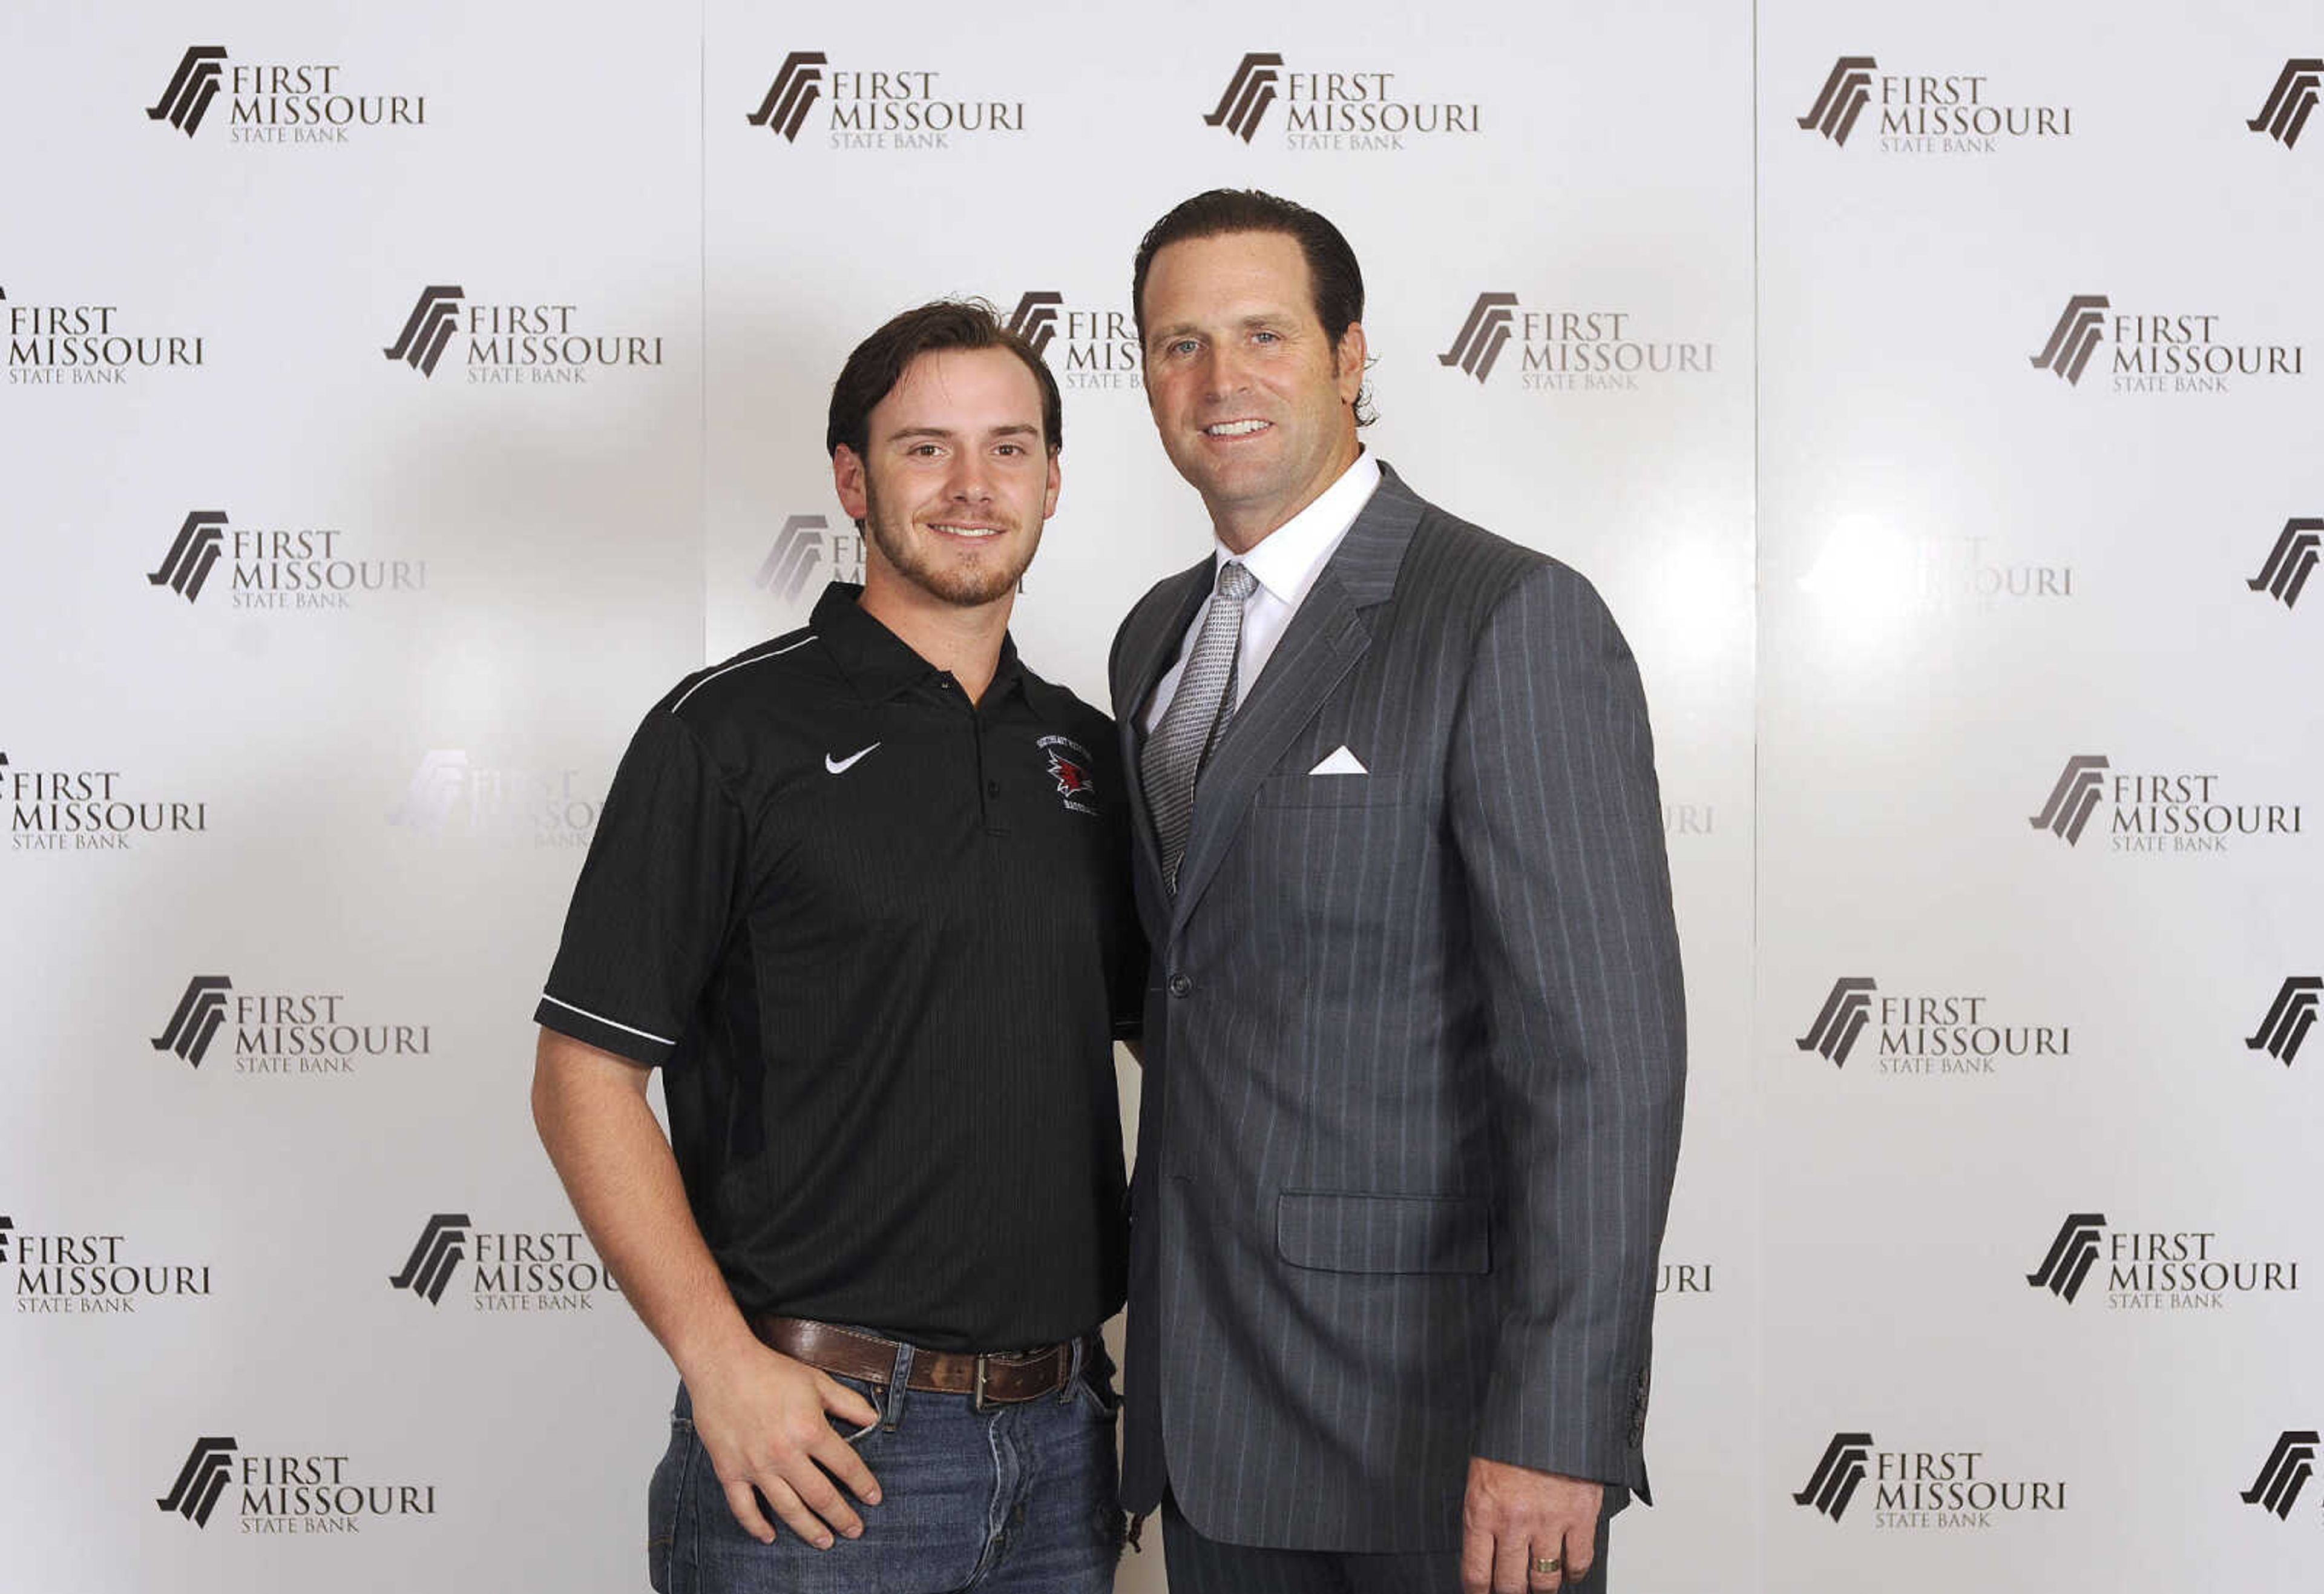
(862, 894)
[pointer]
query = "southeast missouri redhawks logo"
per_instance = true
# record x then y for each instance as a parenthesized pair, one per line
(1070, 766)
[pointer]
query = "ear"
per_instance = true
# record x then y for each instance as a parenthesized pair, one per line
(1057, 480)
(1348, 361)
(847, 478)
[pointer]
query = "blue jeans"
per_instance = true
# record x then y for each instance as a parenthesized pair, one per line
(1016, 1499)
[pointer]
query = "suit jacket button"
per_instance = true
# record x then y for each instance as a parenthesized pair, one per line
(1180, 986)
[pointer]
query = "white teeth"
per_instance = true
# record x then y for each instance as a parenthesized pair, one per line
(971, 531)
(1235, 429)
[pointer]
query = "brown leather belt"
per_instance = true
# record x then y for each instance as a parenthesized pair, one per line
(993, 1379)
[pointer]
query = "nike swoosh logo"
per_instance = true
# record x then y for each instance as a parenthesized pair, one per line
(842, 766)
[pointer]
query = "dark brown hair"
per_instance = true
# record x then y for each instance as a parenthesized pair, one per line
(880, 360)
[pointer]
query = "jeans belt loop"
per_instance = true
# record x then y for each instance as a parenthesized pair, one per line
(892, 1416)
(1073, 1373)
(982, 1364)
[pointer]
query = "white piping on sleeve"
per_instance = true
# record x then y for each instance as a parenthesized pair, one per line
(601, 1018)
(737, 664)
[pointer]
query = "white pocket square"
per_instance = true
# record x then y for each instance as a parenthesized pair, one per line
(1341, 763)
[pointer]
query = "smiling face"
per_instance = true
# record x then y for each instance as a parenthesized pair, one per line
(1255, 405)
(954, 481)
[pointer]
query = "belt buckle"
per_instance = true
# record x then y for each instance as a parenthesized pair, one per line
(978, 1405)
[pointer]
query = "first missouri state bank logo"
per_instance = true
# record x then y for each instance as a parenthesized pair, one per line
(433, 321)
(803, 547)
(280, 1033)
(276, 102)
(1917, 1034)
(187, 100)
(430, 1267)
(2290, 101)
(2156, 1269)
(2174, 812)
(2290, 561)
(1569, 350)
(209, 1468)
(1842, 98)
(52, 809)
(193, 555)
(1250, 91)
(1034, 318)
(2285, 1472)
(1920, 1489)
(278, 567)
(883, 107)
(279, 1491)
(1478, 346)
(200, 1014)
(2075, 337)
(534, 342)
(2289, 1019)
(1926, 113)
(2071, 1256)
(1845, 1015)
(520, 1271)
(2158, 352)
(1087, 347)
(1343, 109)
(798, 85)
(1837, 1475)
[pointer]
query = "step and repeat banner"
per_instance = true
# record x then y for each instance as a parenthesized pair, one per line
(398, 403)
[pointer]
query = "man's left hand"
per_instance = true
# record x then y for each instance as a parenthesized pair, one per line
(1514, 1515)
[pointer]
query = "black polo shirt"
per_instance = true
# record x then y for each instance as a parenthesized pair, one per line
(876, 937)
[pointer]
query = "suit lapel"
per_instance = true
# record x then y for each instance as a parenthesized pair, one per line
(1323, 643)
(1147, 653)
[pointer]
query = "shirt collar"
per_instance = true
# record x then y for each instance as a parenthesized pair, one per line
(878, 664)
(1289, 558)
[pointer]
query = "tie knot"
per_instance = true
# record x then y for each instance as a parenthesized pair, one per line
(1235, 581)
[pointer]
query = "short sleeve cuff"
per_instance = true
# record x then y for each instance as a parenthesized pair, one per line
(606, 1033)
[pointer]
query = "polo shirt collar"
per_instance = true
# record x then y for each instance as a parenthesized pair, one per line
(878, 664)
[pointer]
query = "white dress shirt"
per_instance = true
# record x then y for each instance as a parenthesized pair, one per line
(1285, 564)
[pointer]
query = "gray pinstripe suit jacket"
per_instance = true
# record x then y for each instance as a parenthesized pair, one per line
(1415, 1053)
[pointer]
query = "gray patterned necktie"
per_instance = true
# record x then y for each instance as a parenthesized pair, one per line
(1198, 711)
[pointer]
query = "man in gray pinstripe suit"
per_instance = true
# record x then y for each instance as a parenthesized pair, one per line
(1414, 1035)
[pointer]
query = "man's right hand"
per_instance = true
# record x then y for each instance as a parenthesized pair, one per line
(765, 1420)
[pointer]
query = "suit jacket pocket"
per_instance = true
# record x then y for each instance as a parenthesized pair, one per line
(1347, 1231)
(1331, 791)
